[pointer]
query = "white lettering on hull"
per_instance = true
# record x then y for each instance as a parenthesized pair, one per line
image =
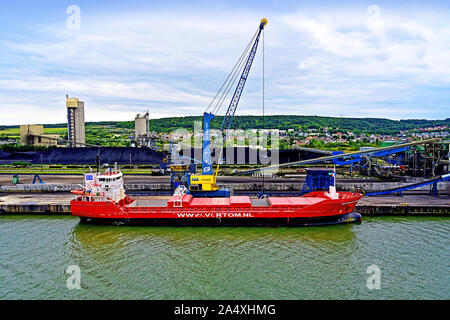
(215, 215)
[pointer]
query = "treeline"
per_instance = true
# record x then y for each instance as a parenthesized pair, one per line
(17, 147)
(302, 123)
(281, 122)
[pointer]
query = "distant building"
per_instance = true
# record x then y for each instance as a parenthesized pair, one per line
(142, 130)
(8, 141)
(75, 122)
(33, 134)
(141, 124)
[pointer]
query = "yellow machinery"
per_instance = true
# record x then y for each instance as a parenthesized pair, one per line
(206, 181)
(201, 182)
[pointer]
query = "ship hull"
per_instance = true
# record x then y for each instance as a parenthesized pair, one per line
(313, 209)
(228, 222)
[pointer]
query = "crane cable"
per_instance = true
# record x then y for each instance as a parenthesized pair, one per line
(263, 98)
(228, 83)
(240, 65)
(263, 123)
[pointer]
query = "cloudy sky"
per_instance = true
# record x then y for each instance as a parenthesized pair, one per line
(387, 59)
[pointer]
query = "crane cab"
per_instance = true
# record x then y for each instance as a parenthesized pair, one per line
(199, 182)
(202, 185)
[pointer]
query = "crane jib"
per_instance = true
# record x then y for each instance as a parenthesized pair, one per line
(228, 119)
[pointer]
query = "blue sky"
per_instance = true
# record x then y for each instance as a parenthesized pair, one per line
(362, 59)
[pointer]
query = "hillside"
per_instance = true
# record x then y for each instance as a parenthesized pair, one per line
(301, 123)
(282, 122)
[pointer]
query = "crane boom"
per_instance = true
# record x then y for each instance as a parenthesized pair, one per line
(205, 183)
(228, 119)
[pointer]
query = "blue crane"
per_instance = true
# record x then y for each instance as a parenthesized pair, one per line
(206, 181)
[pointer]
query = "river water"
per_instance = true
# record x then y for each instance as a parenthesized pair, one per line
(118, 262)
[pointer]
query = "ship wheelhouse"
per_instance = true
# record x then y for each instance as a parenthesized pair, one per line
(108, 185)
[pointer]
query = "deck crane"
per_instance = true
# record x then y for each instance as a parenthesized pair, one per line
(205, 183)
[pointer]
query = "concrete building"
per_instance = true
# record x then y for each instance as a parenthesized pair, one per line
(141, 124)
(75, 122)
(33, 134)
(29, 133)
(142, 130)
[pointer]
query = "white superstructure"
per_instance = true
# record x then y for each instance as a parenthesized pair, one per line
(108, 184)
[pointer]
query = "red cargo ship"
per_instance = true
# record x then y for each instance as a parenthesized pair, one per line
(103, 200)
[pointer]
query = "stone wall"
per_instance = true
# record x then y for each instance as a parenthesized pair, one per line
(250, 186)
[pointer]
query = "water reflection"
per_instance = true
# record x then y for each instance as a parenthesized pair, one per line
(95, 237)
(224, 263)
(180, 262)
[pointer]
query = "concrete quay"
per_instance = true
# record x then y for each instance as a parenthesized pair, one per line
(55, 183)
(407, 205)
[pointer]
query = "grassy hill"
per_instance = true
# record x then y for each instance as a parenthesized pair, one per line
(301, 123)
(282, 122)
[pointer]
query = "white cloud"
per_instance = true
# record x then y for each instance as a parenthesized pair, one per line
(325, 62)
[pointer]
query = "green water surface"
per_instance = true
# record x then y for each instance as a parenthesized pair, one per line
(119, 262)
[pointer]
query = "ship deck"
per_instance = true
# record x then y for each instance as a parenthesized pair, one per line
(225, 202)
(259, 202)
(155, 203)
(152, 203)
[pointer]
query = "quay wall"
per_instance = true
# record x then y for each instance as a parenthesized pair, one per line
(245, 186)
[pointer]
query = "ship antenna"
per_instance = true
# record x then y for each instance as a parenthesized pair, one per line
(334, 175)
(98, 162)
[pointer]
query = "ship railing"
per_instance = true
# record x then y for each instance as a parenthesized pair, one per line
(346, 195)
(179, 192)
(93, 198)
(178, 203)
